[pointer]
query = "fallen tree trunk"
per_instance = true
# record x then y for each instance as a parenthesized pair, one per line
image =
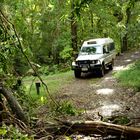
(99, 127)
(13, 103)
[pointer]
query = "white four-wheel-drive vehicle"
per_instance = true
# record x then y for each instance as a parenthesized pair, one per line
(95, 55)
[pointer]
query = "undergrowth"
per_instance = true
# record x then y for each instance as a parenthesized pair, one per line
(65, 108)
(130, 77)
(12, 132)
(54, 82)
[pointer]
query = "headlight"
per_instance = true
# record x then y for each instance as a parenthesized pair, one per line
(94, 61)
(73, 63)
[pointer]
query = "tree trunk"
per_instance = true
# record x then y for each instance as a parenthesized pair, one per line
(16, 108)
(91, 19)
(124, 46)
(73, 28)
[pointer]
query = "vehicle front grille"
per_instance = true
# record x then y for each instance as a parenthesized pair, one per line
(83, 62)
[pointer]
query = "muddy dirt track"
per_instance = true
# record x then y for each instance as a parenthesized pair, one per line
(104, 96)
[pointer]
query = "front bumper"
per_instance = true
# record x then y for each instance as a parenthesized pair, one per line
(86, 67)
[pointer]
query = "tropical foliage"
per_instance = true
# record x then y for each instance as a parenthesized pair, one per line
(42, 37)
(52, 31)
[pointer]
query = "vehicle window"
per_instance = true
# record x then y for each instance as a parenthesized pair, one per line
(105, 49)
(112, 46)
(88, 49)
(91, 49)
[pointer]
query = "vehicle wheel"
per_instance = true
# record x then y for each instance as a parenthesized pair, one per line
(77, 73)
(111, 65)
(102, 71)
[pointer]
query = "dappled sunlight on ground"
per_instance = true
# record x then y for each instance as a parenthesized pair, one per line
(105, 91)
(117, 68)
(136, 55)
(108, 109)
(128, 60)
(109, 78)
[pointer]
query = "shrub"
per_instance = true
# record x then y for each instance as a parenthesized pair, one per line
(131, 76)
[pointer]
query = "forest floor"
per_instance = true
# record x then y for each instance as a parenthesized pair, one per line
(104, 96)
(101, 98)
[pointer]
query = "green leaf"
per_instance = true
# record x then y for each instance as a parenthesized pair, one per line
(3, 131)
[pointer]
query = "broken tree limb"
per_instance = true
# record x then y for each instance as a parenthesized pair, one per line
(99, 127)
(13, 103)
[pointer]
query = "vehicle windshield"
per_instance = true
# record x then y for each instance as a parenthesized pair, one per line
(91, 50)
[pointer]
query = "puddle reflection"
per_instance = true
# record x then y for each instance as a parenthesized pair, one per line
(128, 60)
(107, 110)
(105, 91)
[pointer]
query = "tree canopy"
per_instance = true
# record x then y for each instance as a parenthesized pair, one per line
(51, 30)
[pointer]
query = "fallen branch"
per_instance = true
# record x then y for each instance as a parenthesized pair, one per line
(13, 103)
(99, 127)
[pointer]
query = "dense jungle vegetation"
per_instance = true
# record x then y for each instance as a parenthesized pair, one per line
(41, 37)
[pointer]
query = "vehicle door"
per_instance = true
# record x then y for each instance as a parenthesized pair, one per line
(112, 50)
(107, 54)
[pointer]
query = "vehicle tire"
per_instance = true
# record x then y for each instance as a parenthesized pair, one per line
(111, 65)
(102, 71)
(77, 73)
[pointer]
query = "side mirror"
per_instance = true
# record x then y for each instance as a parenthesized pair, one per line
(105, 51)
